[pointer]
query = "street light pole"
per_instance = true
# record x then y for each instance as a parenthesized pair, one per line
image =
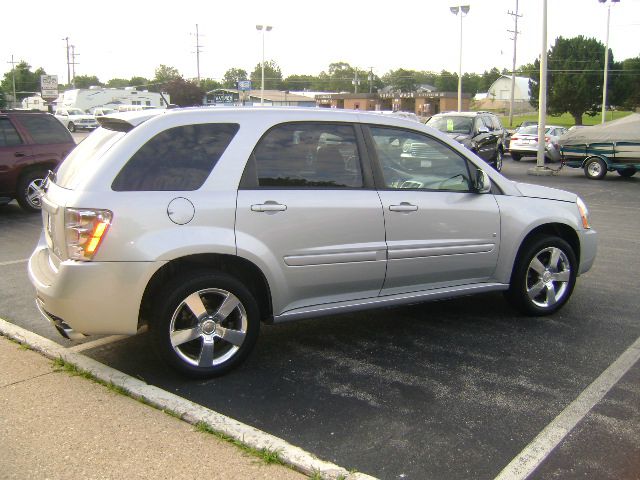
(606, 61)
(263, 29)
(463, 10)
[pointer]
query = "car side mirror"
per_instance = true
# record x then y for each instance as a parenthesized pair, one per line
(483, 130)
(482, 183)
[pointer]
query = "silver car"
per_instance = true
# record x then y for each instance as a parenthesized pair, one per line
(524, 142)
(203, 223)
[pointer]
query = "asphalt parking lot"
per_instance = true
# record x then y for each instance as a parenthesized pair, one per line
(449, 390)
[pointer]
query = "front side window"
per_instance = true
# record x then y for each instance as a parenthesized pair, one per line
(178, 159)
(8, 135)
(452, 124)
(415, 161)
(45, 129)
(308, 155)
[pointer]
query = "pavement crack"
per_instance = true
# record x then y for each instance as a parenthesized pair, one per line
(24, 380)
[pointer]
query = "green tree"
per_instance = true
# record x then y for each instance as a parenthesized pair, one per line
(487, 79)
(574, 77)
(27, 82)
(3, 100)
(401, 80)
(447, 82)
(627, 84)
(139, 82)
(166, 74)
(341, 76)
(117, 83)
(86, 81)
(233, 76)
(299, 82)
(208, 84)
(272, 76)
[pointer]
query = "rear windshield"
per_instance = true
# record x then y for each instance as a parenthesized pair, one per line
(532, 130)
(88, 151)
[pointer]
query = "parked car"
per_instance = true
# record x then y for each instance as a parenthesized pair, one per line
(31, 144)
(612, 146)
(75, 119)
(480, 132)
(101, 111)
(525, 142)
(204, 222)
(399, 114)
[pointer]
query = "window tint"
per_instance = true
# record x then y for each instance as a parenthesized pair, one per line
(451, 124)
(180, 158)
(45, 129)
(8, 134)
(496, 122)
(412, 160)
(308, 155)
(487, 122)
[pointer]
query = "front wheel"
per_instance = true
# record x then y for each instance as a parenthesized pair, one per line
(71, 126)
(207, 324)
(543, 277)
(595, 168)
(28, 195)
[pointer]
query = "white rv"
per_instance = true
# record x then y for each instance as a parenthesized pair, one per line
(88, 98)
(35, 103)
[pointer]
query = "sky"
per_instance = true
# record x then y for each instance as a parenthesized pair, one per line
(118, 39)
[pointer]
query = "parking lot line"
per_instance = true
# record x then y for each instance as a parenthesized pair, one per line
(534, 454)
(13, 262)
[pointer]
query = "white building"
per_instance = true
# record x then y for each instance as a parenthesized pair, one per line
(501, 89)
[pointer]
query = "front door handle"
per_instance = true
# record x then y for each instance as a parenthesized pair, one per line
(269, 206)
(403, 207)
(19, 154)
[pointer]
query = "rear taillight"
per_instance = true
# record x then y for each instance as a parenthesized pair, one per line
(84, 230)
(515, 138)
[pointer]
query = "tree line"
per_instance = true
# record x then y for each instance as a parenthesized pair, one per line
(575, 80)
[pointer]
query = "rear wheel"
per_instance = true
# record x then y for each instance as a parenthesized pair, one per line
(71, 126)
(28, 195)
(627, 172)
(497, 160)
(595, 168)
(206, 325)
(544, 276)
(516, 157)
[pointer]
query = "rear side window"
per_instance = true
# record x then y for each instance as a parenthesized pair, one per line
(8, 135)
(178, 159)
(307, 155)
(45, 129)
(496, 122)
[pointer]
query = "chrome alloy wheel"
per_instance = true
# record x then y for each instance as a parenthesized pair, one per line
(208, 327)
(595, 169)
(32, 194)
(548, 277)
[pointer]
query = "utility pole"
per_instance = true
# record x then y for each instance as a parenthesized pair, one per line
(370, 79)
(513, 69)
(355, 82)
(13, 74)
(73, 63)
(198, 50)
(66, 39)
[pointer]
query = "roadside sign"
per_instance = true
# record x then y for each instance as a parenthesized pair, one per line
(244, 85)
(49, 86)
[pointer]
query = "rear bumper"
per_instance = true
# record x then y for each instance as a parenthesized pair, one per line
(89, 297)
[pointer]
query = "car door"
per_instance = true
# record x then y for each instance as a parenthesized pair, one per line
(309, 216)
(482, 136)
(14, 151)
(440, 233)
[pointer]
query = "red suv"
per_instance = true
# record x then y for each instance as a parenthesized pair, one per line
(31, 144)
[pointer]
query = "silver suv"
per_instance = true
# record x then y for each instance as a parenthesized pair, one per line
(201, 223)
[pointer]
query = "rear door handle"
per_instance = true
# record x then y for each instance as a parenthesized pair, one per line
(268, 207)
(403, 207)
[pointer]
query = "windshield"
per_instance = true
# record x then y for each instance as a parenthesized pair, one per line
(75, 111)
(89, 150)
(532, 130)
(452, 124)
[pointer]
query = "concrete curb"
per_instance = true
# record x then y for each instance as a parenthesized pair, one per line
(190, 412)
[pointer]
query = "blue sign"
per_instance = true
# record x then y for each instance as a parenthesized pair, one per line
(244, 85)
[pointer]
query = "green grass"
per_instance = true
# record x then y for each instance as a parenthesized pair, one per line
(564, 120)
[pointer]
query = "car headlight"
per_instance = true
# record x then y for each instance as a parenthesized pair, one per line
(584, 213)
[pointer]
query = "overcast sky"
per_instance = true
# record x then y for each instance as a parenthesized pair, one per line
(118, 39)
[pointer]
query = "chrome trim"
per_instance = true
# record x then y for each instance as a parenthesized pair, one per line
(63, 329)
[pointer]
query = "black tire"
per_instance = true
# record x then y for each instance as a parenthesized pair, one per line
(516, 157)
(627, 172)
(595, 168)
(543, 277)
(213, 342)
(498, 160)
(27, 193)
(71, 126)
